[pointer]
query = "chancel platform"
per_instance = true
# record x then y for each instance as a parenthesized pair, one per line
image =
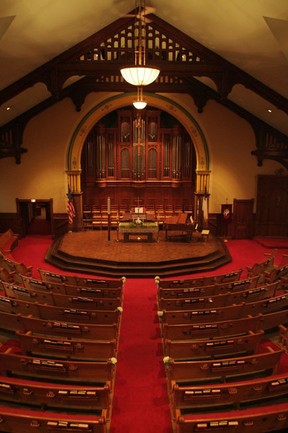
(91, 252)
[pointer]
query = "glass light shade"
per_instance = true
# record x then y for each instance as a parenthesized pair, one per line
(140, 75)
(139, 105)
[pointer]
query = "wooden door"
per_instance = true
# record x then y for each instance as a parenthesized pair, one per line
(243, 219)
(272, 206)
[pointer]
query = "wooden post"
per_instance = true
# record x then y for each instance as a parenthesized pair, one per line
(109, 216)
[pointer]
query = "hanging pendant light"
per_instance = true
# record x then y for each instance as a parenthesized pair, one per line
(140, 74)
(139, 104)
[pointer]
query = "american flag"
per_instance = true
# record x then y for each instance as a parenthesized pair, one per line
(70, 207)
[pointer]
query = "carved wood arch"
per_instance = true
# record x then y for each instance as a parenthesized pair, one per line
(113, 103)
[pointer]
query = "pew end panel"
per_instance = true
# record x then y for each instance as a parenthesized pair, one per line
(8, 241)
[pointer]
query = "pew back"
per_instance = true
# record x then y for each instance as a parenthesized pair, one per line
(213, 348)
(82, 372)
(223, 369)
(18, 420)
(51, 395)
(61, 348)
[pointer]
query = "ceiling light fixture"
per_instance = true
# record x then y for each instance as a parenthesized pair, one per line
(139, 104)
(139, 74)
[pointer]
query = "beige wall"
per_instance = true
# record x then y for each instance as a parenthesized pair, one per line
(42, 172)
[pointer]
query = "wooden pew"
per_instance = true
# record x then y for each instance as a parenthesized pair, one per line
(60, 348)
(209, 290)
(11, 322)
(271, 321)
(228, 298)
(68, 329)
(86, 302)
(16, 306)
(212, 348)
(6, 276)
(65, 289)
(245, 309)
(276, 274)
(40, 285)
(200, 281)
(83, 302)
(265, 322)
(13, 291)
(283, 337)
(223, 369)
(96, 283)
(259, 268)
(229, 395)
(15, 420)
(115, 292)
(14, 266)
(55, 396)
(16, 322)
(212, 329)
(229, 277)
(51, 312)
(200, 316)
(51, 277)
(8, 241)
(259, 420)
(104, 317)
(82, 372)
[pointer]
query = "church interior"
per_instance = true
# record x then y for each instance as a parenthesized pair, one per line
(143, 216)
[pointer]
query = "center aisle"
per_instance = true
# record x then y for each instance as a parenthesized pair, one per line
(140, 399)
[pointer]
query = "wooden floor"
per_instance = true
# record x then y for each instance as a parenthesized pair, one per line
(92, 252)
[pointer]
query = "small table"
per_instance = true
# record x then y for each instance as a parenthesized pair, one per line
(131, 229)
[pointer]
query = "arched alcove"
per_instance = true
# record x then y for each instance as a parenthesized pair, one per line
(116, 102)
(103, 108)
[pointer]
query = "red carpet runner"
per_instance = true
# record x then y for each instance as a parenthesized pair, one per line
(140, 401)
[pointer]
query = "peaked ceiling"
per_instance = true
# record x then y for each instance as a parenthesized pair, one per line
(252, 35)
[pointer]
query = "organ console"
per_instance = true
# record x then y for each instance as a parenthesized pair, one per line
(179, 226)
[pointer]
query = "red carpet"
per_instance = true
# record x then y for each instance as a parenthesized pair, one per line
(140, 400)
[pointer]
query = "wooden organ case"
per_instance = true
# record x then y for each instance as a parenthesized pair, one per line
(139, 158)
